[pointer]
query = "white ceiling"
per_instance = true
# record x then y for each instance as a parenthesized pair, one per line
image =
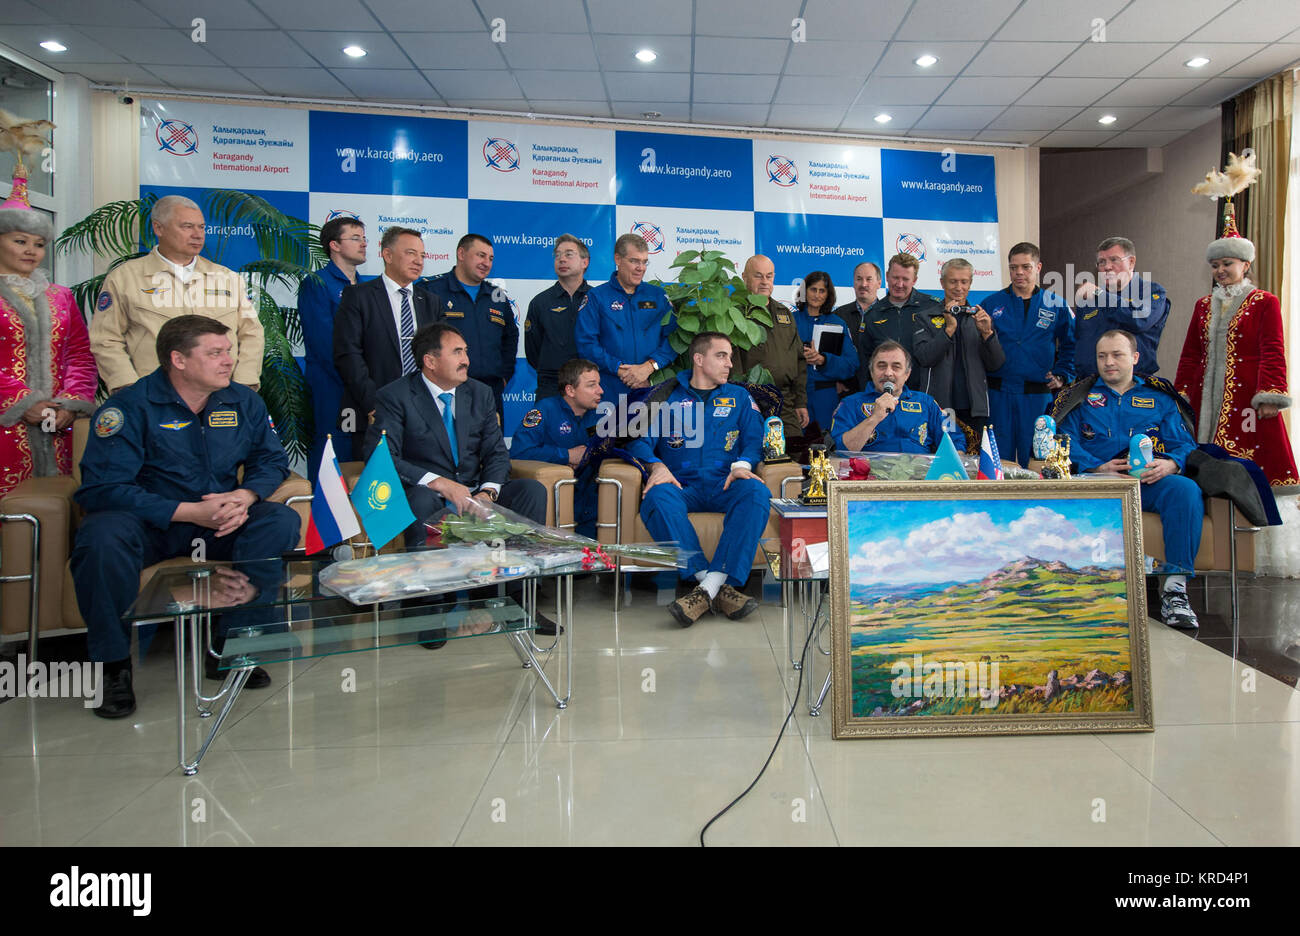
(1010, 71)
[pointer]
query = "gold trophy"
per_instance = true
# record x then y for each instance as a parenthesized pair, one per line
(819, 476)
(1058, 463)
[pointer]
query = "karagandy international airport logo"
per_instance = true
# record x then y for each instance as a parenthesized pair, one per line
(911, 244)
(782, 171)
(500, 154)
(650, 233)
(340, 213)
(176, 137)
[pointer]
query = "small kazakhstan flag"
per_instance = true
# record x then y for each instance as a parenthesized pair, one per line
(379, 499)
(946, 465)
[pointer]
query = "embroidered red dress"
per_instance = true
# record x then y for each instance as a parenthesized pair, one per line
(1233, 361)
(44, 355)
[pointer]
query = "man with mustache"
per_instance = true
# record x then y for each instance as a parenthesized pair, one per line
(447, 445)
(444, 436)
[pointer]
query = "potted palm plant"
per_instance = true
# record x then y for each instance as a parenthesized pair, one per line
(288, 252)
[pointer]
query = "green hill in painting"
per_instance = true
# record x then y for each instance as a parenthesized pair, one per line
(1038, 620)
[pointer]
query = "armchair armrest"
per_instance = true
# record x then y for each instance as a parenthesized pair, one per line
(559, 501)
(49, 500)
(297, 488)
(618, 501)
(774, 476)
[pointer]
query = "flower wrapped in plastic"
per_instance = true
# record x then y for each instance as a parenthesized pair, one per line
(424, 572)
(500, 527)
(484, 545)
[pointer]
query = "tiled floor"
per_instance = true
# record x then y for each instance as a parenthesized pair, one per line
(665, 727)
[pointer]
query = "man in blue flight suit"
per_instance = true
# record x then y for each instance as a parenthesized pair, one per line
(1120, 299)
(344, 240)
(1100, 417)
(553, 315)
(866, 289)
(159, 471)
(558, 430)
(1036, 330)
(890, 417)
(905, 315)
(621, 327)
(704, 450)
(480, 311)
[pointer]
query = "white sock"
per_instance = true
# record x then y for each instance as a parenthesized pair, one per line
(712, 583)
(699, 576)
(1175, 583)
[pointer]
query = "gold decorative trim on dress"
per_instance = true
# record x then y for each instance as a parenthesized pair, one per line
(1221, 428)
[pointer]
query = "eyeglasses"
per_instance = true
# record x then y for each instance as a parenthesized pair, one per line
(567, 255)
(360, 240)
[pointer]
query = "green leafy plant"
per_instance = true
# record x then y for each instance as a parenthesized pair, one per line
(288, 252)
(708, 295)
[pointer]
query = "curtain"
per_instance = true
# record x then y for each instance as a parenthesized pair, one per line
(1261, 120)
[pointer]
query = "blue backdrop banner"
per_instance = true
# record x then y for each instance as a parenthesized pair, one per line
(807, 205)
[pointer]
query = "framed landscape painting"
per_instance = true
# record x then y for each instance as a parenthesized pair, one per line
(987, 607)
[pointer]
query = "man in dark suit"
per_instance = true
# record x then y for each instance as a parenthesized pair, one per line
(374, 326)
(423, 413)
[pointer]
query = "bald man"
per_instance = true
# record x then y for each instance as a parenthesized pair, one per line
(780, 351)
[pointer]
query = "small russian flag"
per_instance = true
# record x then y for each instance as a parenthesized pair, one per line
(990, 461)
(332, 519)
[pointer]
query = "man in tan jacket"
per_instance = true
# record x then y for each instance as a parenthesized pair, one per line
(781, 352)
(141, 295)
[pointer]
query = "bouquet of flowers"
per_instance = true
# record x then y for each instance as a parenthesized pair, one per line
(501, 527)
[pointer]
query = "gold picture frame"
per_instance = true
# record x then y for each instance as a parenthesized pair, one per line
(935, 585)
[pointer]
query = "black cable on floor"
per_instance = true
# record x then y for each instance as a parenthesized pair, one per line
(803, 666)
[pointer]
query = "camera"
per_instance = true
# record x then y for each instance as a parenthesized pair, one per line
(125, 99)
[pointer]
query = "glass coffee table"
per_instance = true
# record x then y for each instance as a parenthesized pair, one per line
(805, 597)
(278, 610)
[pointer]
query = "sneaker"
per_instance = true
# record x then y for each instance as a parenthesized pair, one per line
(691, 608)
(119, 698)
(1176, 612)
(734, 604)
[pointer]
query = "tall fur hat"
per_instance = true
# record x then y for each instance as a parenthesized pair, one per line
(1237, 177)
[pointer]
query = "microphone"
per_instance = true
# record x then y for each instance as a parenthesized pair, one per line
(889, 388)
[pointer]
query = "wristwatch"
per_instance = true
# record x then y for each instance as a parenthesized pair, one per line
(490, 492)
(655, 365)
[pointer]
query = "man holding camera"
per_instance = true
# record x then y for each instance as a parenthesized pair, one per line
(959, 382)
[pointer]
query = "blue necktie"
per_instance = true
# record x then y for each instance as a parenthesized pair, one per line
(408, 332)
(449, 421)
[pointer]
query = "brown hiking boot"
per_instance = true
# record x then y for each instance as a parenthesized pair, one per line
(734, 604)
(690, 607)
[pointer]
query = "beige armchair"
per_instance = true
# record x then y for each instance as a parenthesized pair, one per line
(618, 512)
(40, 519)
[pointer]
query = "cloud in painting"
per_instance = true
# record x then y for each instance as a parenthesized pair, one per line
(969, 545)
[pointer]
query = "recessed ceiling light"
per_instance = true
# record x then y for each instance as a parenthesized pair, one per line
(1107, 119)
(354, 51)
(646, 55)
(883, 118)
(50, 45)
(925, 61)
(1199, 62)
